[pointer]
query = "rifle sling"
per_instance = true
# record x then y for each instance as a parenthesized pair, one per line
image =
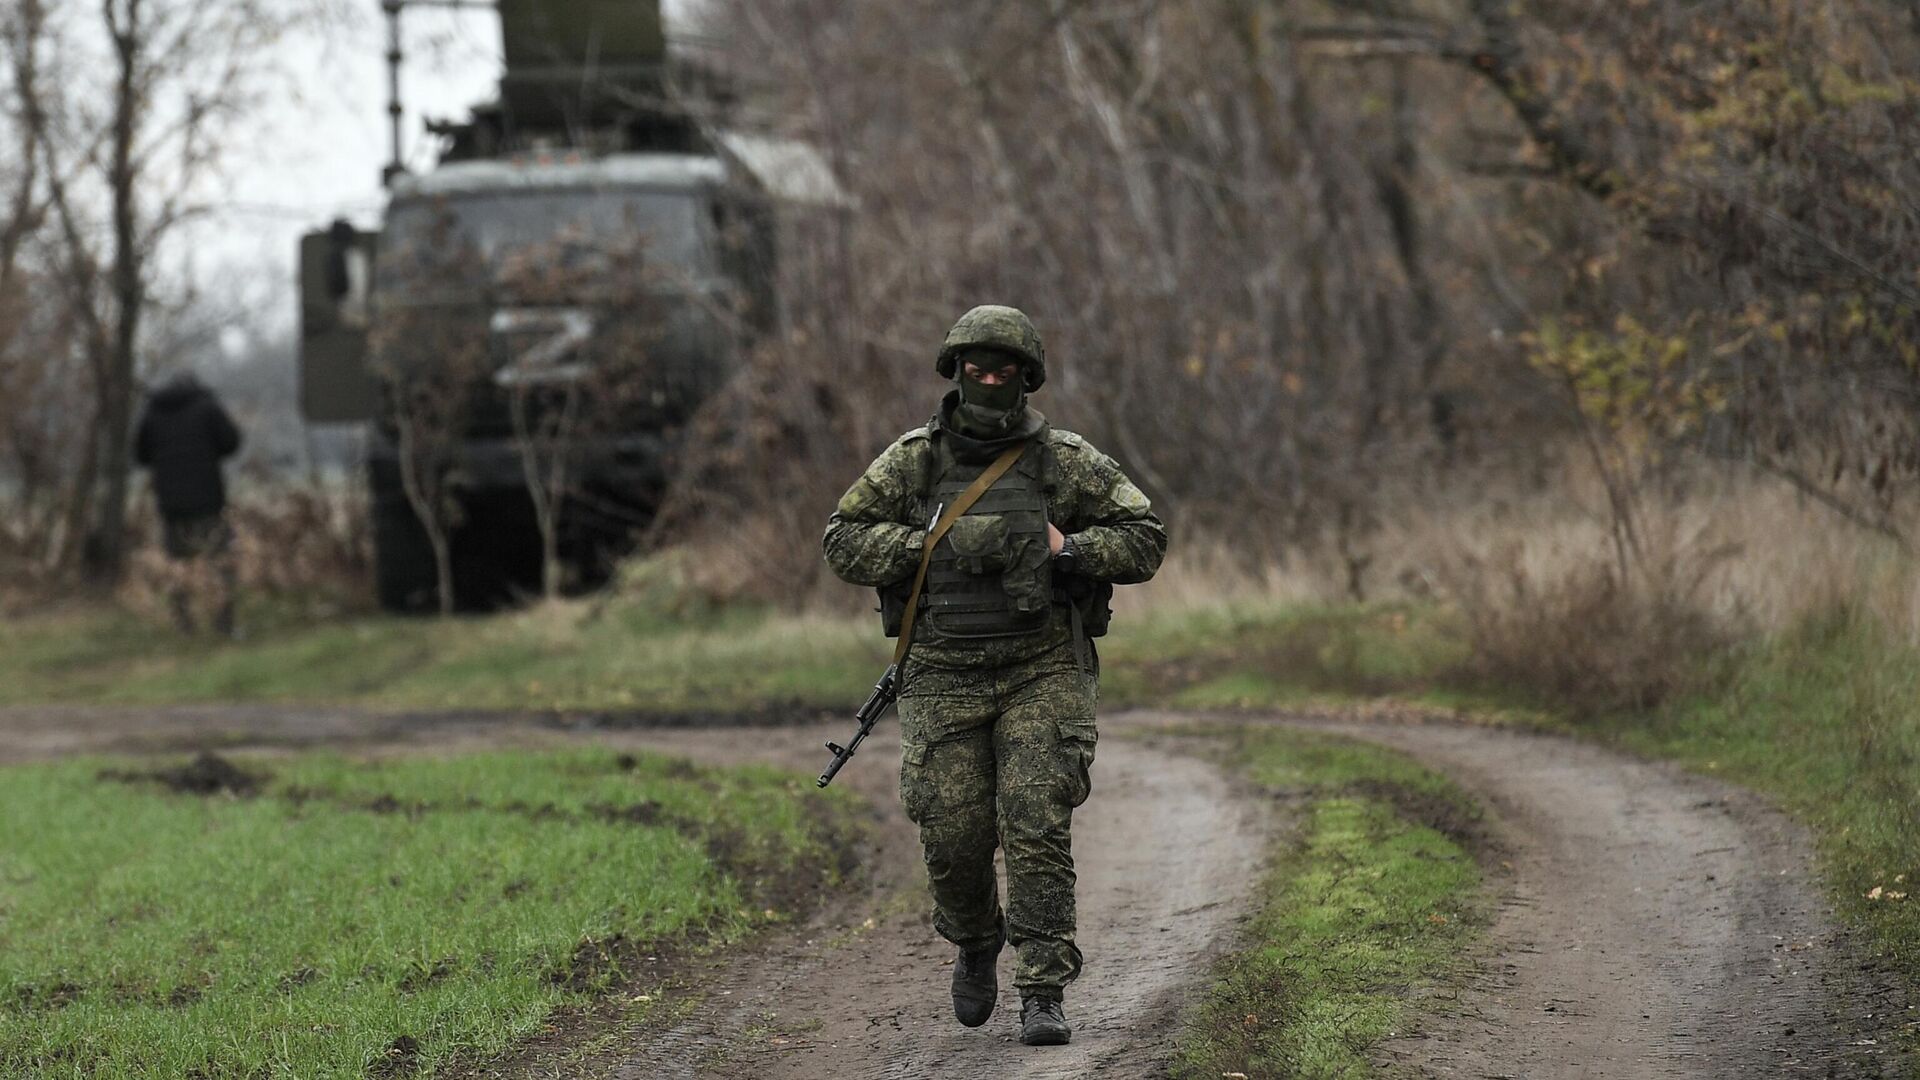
(939, 529)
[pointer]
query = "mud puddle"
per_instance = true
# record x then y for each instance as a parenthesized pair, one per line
(207, 774)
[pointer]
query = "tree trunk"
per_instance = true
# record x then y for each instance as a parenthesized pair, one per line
(108, 542)
(546, 476)
(422, 480)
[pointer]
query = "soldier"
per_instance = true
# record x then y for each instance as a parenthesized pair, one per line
(183, 436)
(997, 702)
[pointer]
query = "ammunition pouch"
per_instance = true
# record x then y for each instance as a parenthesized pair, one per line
(980, 544)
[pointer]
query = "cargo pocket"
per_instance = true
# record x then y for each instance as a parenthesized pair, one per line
(1077, 737)
(916, 793)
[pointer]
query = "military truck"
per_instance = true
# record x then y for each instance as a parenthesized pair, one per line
(591, 138)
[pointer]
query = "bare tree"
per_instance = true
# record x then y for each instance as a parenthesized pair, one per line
(123, 112)
(1293, 259)
(431, 358)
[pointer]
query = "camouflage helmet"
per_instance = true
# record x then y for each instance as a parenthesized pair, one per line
(991, 326)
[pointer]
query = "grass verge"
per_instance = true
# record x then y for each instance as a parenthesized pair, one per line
(573, 655)
(346, 919)
(1376, 896)
(638, 654)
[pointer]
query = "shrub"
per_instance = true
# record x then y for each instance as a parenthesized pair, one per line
(1588, 639)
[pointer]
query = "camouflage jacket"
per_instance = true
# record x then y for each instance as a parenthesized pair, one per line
(875, 534)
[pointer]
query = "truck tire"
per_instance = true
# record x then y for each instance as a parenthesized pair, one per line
(403, 569)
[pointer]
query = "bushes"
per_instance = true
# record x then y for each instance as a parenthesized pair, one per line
(1549, 608)
(1587, 641)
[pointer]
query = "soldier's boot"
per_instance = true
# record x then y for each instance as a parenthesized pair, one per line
(1043, 1022)
(976, 984)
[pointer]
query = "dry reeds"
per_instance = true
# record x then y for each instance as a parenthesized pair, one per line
(1546, 605)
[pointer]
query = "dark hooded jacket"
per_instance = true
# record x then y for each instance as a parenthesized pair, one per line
(183, 435)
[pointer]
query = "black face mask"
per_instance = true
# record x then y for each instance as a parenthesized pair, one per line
(987, 412)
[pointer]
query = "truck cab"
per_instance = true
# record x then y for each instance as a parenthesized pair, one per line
(558, 251)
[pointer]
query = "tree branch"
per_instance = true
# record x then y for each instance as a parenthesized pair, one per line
(1806, 486)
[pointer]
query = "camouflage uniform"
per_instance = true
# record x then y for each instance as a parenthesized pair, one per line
(998, 733)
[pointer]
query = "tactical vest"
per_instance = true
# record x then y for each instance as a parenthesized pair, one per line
(991, 575)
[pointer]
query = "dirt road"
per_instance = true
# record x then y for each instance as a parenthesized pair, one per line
(1167, 853)
(1653, 923)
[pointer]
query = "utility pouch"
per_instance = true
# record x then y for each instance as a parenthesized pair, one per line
(980, 543)
(1028, 581)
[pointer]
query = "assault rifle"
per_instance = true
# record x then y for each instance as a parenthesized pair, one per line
(884, 693)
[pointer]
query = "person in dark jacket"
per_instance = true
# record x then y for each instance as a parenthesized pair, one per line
(184, 435)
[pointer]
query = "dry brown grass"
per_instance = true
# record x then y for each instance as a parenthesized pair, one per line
(1549, 606)
(1524, 563)
(1590, 638)
(1540, 593)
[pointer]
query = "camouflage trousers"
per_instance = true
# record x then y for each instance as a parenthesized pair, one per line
(999, 757)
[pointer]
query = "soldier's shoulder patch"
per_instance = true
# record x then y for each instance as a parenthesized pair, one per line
(1129, 498)
(1080, 457)
(857, 499)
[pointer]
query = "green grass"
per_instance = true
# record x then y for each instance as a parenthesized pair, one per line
(1826, 718)
(1374, 898)
(565, 656)
(1259, 655)
(652, 651)
(304, 932)
(647, 652)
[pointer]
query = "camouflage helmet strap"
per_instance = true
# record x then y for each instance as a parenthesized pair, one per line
(960, 505)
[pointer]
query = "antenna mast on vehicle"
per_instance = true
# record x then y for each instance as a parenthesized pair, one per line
(396, 166)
